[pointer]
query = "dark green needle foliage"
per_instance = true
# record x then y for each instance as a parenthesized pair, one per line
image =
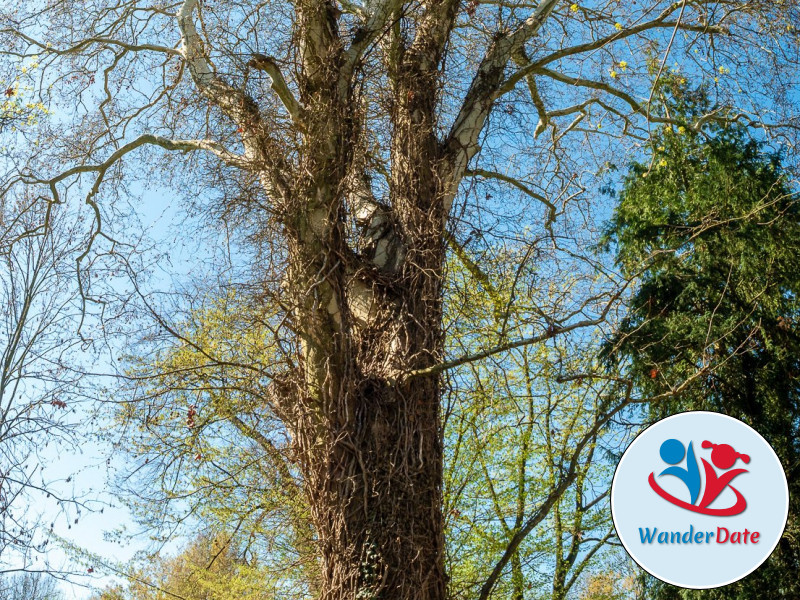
(711, 227)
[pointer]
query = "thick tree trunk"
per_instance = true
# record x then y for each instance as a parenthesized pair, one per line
(369, 439)
(374, 485)
(368, 434)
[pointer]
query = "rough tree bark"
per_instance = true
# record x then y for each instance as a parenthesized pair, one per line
(369, 440)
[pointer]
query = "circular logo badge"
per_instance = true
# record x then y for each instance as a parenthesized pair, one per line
(699, 500)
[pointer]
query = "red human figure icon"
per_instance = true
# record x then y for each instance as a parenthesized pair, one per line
(723, 456)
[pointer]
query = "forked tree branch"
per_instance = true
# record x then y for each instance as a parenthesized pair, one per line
(376, 23)
(279, 85)
(551, 208)
(462, 141)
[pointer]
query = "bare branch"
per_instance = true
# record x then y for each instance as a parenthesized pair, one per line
(659, 22)
(279, 86)
(551, 208)
(147, 139)
(462, 141)
(88, 42)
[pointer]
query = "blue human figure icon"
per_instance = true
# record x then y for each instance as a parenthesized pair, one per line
(672, 452)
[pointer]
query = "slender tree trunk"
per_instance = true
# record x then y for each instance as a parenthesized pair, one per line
(517, 579)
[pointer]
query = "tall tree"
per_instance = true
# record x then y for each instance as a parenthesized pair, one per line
(39, 308)
(210, 567)
(713, 223)
(40, 379)
(31, 586)
(342, 133)
(197, 401)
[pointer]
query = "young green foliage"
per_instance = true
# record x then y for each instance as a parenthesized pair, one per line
(512, 424)
(211, 567)
(202, 437)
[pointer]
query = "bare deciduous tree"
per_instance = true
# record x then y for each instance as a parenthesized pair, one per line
(354, 137)
(39, 380)
(31, 586)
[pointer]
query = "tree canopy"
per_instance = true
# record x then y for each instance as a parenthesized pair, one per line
(333, 161)
(711, 225)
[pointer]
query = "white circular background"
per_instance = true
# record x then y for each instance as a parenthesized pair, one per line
(635, 505)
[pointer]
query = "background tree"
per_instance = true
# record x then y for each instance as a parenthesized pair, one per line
(40, 379)
(612, 584)
(345, 139)
(715, 220)
(31, 586)
(511, 428)
(200, 440)
(210, 567)
(39, 309)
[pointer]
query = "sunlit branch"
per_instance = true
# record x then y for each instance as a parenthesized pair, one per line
(147, 139)
(279, 85)
(659, 22)
(462, 141)
(376, 23)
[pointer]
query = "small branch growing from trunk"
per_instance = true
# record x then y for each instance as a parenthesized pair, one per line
(279, 85)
